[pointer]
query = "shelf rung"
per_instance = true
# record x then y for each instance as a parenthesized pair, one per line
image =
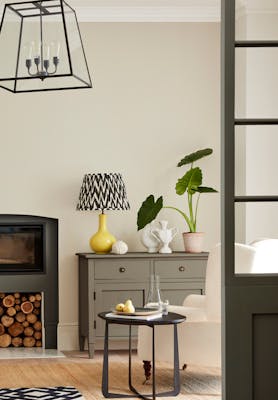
(256, 43)
(255, 199)
(256, 121)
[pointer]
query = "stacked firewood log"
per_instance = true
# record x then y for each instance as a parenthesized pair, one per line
(20, 320)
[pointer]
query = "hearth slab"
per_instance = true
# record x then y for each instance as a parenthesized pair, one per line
(12, 353)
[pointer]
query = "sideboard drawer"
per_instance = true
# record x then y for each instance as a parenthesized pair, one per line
(180, 268)
(122, 269)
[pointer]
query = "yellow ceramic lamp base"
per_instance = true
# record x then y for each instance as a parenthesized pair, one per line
(102, 241)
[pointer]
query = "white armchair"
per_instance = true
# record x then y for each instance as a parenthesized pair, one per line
(200, 334)
(266, 261)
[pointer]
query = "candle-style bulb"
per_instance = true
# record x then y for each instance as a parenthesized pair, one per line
(36, 49)
(28, 51)
(55, 49)
(46, 52)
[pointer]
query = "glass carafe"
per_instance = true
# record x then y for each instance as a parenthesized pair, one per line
(154, 297)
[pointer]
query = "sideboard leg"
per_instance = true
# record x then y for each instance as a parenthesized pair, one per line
(147, 365)
(81, 343)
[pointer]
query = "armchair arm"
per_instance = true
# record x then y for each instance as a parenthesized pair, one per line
(191, 313)
(195, 301)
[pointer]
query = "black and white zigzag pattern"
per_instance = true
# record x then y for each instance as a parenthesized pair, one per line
(47, 393)
(103, 192)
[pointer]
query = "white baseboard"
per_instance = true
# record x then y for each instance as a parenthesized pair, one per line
(68, 336)
(68, 339)
(117, 344)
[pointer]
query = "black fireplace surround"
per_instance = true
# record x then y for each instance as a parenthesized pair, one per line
(29, 263)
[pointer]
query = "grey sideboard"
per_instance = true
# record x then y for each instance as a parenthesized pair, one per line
(105, 280)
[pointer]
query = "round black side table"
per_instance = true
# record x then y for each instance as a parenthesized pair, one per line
(169, 319)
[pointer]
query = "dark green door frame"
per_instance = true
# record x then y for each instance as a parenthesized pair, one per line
(249, 303)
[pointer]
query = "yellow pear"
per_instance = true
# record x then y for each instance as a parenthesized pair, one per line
(129, 307)
(120, 307)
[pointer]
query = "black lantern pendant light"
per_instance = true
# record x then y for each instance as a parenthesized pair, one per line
(41, 48)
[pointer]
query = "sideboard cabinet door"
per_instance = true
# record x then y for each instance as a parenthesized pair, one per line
(176, 293)
(107, 296)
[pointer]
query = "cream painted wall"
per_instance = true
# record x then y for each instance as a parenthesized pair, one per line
(155, 98)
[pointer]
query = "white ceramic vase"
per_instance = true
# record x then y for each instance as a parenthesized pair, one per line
(148, 240)
(119, 247)
(193, 241)
(165, 236)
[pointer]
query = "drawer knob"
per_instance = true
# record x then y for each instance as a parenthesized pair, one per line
(122, 269)
(181, 268)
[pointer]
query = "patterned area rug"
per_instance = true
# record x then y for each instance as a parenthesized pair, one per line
(47, 393)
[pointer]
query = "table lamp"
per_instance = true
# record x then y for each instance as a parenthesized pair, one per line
(102, 192)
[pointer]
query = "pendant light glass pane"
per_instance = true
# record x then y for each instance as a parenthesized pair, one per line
(78, 60)
(10, 33)
(41, 44)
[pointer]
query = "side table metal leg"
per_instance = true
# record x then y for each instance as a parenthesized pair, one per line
(129, 359)
(132, 388)
(176, 362)
(176, 382)
(105, 363)
(153, 359)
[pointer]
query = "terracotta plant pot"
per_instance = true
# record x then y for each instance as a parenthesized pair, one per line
(193, 241)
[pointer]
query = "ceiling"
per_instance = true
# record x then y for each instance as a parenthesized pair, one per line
(159, 10)
(142, 10)
(147, 10)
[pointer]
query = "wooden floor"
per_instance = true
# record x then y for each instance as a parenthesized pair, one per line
(79, 371)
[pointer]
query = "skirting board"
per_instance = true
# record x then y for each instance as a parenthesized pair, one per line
(68, 339)
(117, 344)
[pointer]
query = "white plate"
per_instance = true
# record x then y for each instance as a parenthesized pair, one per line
(140, 311)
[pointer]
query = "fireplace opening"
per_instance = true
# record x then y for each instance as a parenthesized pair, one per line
(21, 248)
(21, 322)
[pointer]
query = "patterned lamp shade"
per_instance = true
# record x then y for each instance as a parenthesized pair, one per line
(103, 192)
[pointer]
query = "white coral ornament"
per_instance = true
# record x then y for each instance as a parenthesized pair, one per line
(119, 247)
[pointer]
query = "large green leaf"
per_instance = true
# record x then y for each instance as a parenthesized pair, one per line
(190, 158)
(189, 182)
(205, 189)
(148, 211)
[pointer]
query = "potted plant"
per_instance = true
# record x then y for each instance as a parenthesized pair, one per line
(190, 185)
